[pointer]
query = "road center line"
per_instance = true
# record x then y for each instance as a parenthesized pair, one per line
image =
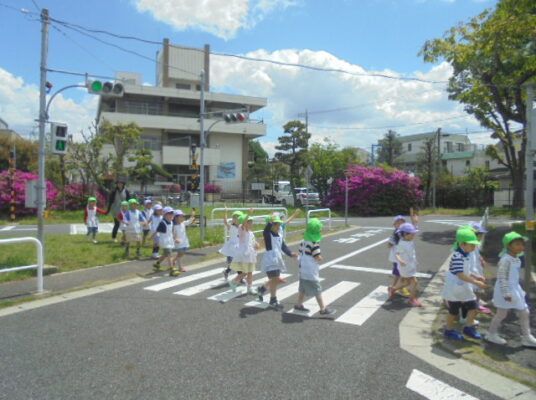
(353, 253)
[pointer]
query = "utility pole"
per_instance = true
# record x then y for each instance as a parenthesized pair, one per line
(437, 168)
(202, 159)
(41, 185)
(529, 187)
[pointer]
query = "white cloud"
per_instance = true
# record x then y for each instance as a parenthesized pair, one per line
(19, 106)
(367, 105)
(222, 18)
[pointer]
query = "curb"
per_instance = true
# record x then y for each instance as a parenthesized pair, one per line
(416, 337)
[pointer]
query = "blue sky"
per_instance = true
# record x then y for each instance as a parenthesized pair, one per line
(361, 36)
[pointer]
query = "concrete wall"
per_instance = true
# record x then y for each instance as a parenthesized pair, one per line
(230, 152)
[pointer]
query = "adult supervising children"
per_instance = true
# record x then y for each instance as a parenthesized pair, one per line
(272, 260)
(309, 269)
(117, 196)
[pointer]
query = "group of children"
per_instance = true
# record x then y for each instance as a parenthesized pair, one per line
(465, 281)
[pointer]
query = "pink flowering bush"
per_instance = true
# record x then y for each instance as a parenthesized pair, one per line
(375, 191)
(19, 183)
(175, 188)
(209, 188)
(76, 195)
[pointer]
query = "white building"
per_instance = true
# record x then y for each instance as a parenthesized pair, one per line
(169, 117)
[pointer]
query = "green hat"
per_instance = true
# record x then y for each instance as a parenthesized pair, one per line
(237, 213)
(124, 203)
(133, 201)
(244, 218)
(91, 199)
(466, 235)
(510, 237)
(313, 232)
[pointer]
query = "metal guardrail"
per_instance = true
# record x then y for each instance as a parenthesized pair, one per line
(40, 259)
(271, 209)
(309, 212)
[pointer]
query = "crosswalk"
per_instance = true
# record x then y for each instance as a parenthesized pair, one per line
(208, 283)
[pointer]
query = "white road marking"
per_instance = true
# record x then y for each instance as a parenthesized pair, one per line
(377, 270)
(434, 389)
(224, 297)
(347, 240)
(81, 229)
(359, 313)
(353, 253)
(183, 280)
(454, 222)
(7, 228)
(329, 296)
(282, 294)
(193, 290)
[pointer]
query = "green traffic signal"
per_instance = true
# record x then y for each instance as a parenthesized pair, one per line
(96, 86)
(60, 145)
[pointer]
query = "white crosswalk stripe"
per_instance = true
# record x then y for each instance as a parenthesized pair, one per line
(224, 297)
(183, 280)
(282, 294)
(329, 296)
(204, 286)
(358, 314)
(434, 389)
(376, 270)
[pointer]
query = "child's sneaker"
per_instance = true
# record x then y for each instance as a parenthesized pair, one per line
(226, 275)
(155, 256)
(453, 334)
(156, 266)
(183, 269)
(528, 341)
(95, 241)
(484, 310)
(260, 292)
(174, 272)
(404, 292)
(471, 332)
(328, 311)
(414, 303)
(232, 285)
(301, 308)
(275, 304)
(282, 280)
(252, 291)
(494, 338)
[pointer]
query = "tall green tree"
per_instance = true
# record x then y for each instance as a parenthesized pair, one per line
(258, 170)
(292, 150)
(328, 163)
(391, 148)
(124, 138)
(144, 170)
(492, 56)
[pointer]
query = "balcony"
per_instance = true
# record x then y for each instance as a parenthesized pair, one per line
(180, 155)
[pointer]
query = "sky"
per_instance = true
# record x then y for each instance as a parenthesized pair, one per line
(368, 42)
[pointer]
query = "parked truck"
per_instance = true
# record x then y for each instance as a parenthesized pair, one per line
(281, 193)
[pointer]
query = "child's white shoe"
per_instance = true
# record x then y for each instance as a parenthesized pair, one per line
(528, 341)
(494, 338)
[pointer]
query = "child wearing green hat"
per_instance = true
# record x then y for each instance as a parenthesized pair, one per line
(245, 256)
(272, 260)
(134, 221)
(458, 290)
(310, 256)
(121, 218)
(230, 246)
(91, 219)
(508, 293)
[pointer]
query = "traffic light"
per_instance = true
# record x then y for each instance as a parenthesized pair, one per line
(235, 117)
(105, 88)
(58, 134)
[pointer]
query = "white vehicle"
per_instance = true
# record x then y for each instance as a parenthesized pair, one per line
(281, 193)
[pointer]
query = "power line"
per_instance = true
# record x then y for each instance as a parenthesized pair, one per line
(388, 127)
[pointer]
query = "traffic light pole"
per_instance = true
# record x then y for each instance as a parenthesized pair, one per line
(202, 159)
(529, 187)
(41, 188)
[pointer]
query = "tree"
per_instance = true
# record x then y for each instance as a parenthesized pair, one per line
(26, 153)
(292, 151)
(145, 170)
(492, 56)
(328, 164)
(258, 170)
(480, 183)
(391, 148)
(426, 167)
(124, 138)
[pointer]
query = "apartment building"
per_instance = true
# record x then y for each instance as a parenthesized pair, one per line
(168, 114)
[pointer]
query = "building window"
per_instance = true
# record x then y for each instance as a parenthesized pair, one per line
(183, 86)
(468, 163)
(487, 164)
(140, 107)
(198, 88)
(460, 146)
(151, 143)
(449, 147)
(409, 147)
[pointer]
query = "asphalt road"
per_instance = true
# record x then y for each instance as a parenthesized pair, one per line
(144, 341)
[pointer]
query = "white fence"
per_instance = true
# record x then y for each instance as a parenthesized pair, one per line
(40, 259)
(231, 210)
(319, 210)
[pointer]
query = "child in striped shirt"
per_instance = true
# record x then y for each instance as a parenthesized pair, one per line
(310, 256)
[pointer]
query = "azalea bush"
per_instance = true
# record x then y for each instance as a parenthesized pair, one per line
(19, 184)
(210, 188)
(376, 191)
(75, 197)
(175, 188)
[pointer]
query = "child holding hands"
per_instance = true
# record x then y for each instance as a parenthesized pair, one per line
(508, 294)
(182, 244)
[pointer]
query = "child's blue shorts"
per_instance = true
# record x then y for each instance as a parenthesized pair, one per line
(395, 269)
(180, 249)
